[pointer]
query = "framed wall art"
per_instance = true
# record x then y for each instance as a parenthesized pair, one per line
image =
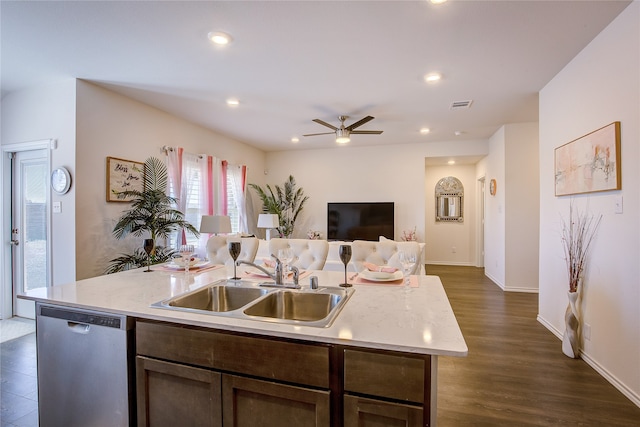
(123, 175)
(590, 163)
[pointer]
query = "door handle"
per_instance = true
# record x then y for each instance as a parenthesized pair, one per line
(15, 242)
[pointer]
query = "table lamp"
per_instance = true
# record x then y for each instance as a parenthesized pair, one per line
(268, 221)
(215, 224)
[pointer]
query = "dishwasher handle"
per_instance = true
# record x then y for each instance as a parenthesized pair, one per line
(79, 328)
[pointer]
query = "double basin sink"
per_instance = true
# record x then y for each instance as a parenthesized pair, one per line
(247, 300)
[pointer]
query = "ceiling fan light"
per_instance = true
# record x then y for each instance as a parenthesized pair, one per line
(342, 136)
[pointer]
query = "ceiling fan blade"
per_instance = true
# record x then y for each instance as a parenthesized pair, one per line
(366, 132)
(359, 123)
(320, 122)
(324, 133)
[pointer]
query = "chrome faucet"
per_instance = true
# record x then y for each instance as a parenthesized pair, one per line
(277, 274)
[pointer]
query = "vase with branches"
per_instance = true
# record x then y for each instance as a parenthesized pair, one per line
(577, 236)
(152, 213)
(286, 201)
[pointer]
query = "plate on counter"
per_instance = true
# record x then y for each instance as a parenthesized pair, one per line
(196, 263)
(381, 276)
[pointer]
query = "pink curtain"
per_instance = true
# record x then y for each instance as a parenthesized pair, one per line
(174, 169)
(223, 189)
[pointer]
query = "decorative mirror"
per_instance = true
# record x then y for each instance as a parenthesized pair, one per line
(449, 199)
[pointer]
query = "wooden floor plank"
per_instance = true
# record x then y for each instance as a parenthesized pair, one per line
(515, 373)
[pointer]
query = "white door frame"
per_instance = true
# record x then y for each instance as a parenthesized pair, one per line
(6, 283)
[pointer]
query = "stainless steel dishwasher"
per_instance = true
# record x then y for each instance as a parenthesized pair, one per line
(83, 367)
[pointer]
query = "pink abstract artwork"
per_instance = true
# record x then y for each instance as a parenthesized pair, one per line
(590, 163)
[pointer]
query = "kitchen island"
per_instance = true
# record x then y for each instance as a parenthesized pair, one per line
(377, 361)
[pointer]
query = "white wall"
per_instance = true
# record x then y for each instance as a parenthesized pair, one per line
(511, 222)
(494, 237)
(599, 86)
(444, 236)
(522, 201)
(365, 174)
(48, 112)
(111, 125)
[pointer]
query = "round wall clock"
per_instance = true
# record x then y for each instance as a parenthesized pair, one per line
(60, 180)
(492, 187)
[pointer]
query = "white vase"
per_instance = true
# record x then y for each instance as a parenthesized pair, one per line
(571, 338)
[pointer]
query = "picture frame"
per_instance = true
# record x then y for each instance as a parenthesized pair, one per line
(590, 163)
(123, 175)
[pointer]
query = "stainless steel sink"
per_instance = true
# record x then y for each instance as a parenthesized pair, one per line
(248, 300)
(303, 306)
(218, 298)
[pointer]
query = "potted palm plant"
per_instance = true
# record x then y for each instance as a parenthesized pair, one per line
(286, 201)
(152, 213)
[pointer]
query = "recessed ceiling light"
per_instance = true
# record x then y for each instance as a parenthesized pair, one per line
(233, 102)
(425, 131)
(295, 139)
(459, 132)
(437, 1)
(220, 38)
(451, 162)
(432, 77)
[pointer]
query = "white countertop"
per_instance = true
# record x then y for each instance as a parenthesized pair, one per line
(376, 316)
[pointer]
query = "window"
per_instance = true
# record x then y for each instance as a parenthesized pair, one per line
(201, 191)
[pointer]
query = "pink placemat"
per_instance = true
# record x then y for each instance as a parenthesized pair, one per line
(413, 282)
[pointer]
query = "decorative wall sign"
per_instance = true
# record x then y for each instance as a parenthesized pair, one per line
(590, 163)
(123, 175)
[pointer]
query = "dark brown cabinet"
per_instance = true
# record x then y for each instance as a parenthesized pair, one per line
(170, 394)
(248, 402)
(204, 377)
(363, 412)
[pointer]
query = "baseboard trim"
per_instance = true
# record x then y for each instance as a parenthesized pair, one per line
(494, 280)
(457, 264)
(523, 290)
(620, 386)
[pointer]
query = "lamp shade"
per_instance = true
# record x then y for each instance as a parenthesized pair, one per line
(268, 221)
(215, 224)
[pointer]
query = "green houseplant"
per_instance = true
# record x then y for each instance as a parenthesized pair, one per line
(286, 201)
(152, 213)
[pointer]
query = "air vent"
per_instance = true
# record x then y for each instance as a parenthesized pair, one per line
(461, 105)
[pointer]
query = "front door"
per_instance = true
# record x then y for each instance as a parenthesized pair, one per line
(29, 226)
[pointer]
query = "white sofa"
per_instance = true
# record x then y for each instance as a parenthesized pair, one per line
(385, 248)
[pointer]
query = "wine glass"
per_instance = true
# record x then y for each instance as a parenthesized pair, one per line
(285, 255)
(345, 257)
(407, 260)
(185, 252)
(148, 246)
(234, 251)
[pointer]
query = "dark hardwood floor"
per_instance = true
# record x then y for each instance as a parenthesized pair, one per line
(515, 373)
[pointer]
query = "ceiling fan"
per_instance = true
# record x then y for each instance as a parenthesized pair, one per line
(343, 133)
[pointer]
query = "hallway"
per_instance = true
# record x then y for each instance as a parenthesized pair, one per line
(515, 373)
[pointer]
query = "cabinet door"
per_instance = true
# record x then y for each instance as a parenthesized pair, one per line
(248, 402)
(170, 394)
(362, 412)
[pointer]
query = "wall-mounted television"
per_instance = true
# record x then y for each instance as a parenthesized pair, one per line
(360, 221)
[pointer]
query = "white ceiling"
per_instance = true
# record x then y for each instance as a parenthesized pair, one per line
(293, 61)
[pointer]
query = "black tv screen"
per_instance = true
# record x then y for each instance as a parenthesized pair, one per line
(360, 221)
